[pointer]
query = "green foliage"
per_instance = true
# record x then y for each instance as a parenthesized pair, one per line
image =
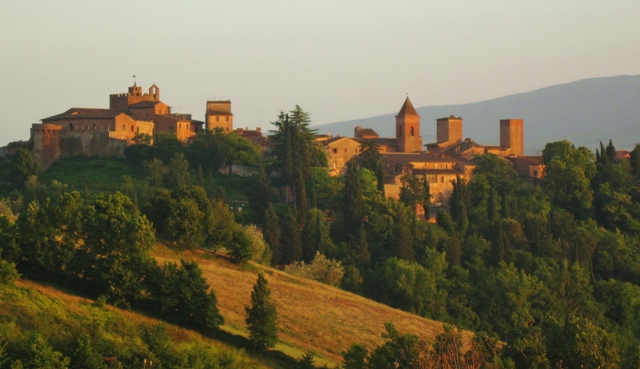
(179, 295)
(213, 149)
(262, 316)
(325, 270)
(8, 272)
(355, 357)
(241, 247)
(271, 233)
(315, 236)
(260, 198)
(408, 286)
(290, 240)
(353, 201)
(371, 159)
(22, 167)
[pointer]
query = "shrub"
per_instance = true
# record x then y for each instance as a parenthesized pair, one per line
(8, 272)
(321, 269)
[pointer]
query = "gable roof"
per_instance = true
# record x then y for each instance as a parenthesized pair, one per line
(86, 113)
(407, 109)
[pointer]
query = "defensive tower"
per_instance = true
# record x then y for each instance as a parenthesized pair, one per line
(512, 135)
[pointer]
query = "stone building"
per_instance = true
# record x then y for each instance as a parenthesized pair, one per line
(218, 115)
(88, 131)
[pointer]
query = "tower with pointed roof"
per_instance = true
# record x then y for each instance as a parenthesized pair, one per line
(408, 136)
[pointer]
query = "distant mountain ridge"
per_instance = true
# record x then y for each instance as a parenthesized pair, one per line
(583, 112)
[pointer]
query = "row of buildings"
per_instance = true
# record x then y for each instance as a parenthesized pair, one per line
(107, 132)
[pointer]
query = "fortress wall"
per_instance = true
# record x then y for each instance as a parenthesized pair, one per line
(51, 142)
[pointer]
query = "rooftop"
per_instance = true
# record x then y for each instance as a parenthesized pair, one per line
(407, 109)
(87, 113)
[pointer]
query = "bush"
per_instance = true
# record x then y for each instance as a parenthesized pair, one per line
(321, 269)
(8, 273)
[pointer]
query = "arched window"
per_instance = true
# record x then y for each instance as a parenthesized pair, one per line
(132, 129)
(227, 119)
(412, 132)
(124, 128)
(179, 125)
(441, 179)
(71, 126)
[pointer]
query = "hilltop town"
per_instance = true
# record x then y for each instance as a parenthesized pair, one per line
(136, 117)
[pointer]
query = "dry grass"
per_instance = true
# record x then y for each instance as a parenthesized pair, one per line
(311, 316)
(77, 309)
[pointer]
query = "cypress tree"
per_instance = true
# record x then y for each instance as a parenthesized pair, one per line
(353, 201)
(261, 197)
(301, 198)
(262, 316)
(454, 253)
(315, 237)
(271, 234)
(492, 206)
(291, 240)
(402, 241)
(611, 152)
(426, 198)
(360, 249)
(635, 160)
(497, 246)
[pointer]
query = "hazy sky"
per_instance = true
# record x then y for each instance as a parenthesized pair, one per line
(339, 60)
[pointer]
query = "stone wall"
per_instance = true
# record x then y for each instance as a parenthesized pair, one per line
(51, 142)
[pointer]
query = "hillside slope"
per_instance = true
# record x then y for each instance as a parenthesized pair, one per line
(583, 112)
(311, 316)
(59, 316)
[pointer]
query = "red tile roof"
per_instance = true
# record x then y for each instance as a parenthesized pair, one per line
(407, 109)
(85, 113)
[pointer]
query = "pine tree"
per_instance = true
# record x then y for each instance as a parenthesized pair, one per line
(271, 234)
(262, 316)
(291, 240)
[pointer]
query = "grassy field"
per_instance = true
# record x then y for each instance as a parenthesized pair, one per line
(34, 307)
(95, 174)
(311, 316)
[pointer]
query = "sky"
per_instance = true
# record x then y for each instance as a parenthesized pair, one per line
(337, 59)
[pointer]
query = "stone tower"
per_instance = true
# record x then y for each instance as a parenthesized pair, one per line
(133, 96)
(408, 129)
(449, 130)
(512, 135)
(218, 115)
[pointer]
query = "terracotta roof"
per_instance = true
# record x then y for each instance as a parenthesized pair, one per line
(144, 104)
(528, 160)
(84, 113)
(367, 132)
(407, 109)
(338, 138)
(408, 158)
(248, 133)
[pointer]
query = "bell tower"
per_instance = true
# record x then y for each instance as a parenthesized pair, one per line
(408, 136)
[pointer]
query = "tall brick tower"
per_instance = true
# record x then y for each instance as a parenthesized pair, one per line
(512, 135)
(408, 129)
(449, 129)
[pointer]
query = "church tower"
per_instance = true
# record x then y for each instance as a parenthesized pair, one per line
(408, 128)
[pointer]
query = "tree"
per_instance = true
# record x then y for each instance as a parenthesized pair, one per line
(355, 357)
(114, 254)
(213, 149)
(271, 234)
(85, 356)
(155, 171)
(22, 167)
(178, 172)
(142, 139)
(291, 240)
(262, 316)
(241, 247)
(260, 198)
(353, 201)
(315, 236)
(371, 159)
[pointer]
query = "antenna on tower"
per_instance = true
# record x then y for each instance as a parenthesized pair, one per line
(134, 79)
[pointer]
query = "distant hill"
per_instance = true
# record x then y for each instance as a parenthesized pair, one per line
(583, 112)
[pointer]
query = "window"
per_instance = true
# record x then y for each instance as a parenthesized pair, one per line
(227, 119)
(217, 119)
(124, 128)
(71, 126)
(397, 169)
(132, 129)
(441, 179)
(346, 150)
(335, 150)
(535, 173)
(179, 125)
(412, 132)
